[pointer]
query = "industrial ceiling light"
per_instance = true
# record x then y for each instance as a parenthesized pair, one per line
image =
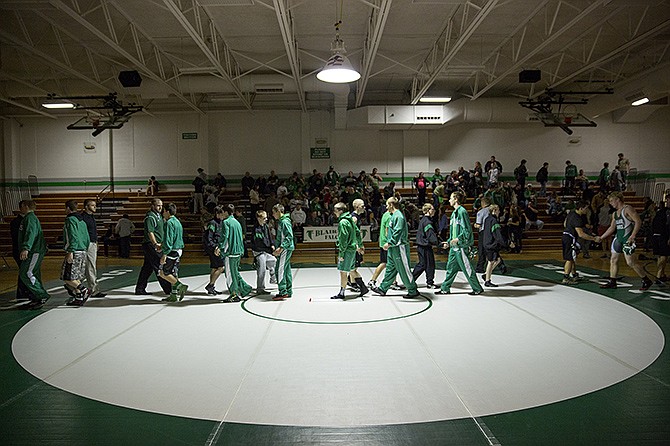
(640, 101)
(338, 69)
(52, 104)
(436, 99)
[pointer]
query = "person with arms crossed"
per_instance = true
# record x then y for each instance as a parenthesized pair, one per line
(90, 206)
(284, 249)
(262, 248)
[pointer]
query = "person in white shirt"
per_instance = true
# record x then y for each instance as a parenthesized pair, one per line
(298, 216)
(124, 229)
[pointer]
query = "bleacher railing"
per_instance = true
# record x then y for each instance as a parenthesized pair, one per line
(644, 185)
(10, 196)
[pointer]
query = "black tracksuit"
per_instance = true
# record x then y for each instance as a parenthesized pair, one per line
(426, 238)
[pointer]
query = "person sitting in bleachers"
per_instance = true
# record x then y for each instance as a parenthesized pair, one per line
(152, 186)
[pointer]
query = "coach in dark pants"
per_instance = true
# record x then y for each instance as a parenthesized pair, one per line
(151, 247)
(426, 238)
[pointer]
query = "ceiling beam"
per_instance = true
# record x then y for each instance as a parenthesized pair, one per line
(614, 53)
(422, 85)
(287, 30)
(92, 28)
(376, 26)
(26, 107)
(199, 40)
(51, 61)
(538, 48)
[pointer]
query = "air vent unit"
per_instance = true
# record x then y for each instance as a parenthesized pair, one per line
(269, 88)
(635, 95)
(429, 118)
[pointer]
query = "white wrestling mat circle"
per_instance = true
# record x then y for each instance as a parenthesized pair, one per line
(311, 361)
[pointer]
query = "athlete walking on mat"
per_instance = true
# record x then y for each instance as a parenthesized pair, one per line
(460, 243)
(397, 245)
(348, 245)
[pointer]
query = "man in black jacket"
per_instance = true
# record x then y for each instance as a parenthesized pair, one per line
(211, 240)
(262, 247)
(542, 177)
(426, 238)
(492, 241)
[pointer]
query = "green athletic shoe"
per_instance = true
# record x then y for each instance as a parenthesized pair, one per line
(181, 290)
(171, 298)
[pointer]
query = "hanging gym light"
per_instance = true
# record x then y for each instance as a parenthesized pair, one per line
(338, 69)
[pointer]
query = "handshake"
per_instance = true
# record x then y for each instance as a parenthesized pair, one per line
(597, 239)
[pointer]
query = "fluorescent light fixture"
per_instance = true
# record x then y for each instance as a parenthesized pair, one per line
(639, 102)
(57, 104)
(338, 70)
(442, 99)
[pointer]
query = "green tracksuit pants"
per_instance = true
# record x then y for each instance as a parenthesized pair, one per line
(236, 284)
(398, 263)
(459, 261)
(283, 273)
(30, 274)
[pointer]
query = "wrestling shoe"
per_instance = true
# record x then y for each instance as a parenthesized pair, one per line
(338, 296)
(646, 284)
(363, 290)
(171, 298)
(280, 297)
(611, 284)
(211, 290)
(378, 291)
(475, 293)
(490, 284)
(34, 304)
(232, 299)
(441, 291)
(181, 290)
(412, 295)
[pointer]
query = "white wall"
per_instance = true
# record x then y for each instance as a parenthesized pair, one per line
(234, 142)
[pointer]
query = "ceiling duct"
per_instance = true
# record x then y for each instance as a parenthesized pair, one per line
(269, 88)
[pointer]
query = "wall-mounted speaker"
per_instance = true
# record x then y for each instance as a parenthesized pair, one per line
(529, 76)
(130, 78)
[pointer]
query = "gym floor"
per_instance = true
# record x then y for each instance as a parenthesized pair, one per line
(531, 362)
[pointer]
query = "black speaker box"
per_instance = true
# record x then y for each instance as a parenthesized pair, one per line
(529, 76)
(130, 78)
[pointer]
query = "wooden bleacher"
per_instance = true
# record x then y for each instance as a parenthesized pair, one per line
(51, 212)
